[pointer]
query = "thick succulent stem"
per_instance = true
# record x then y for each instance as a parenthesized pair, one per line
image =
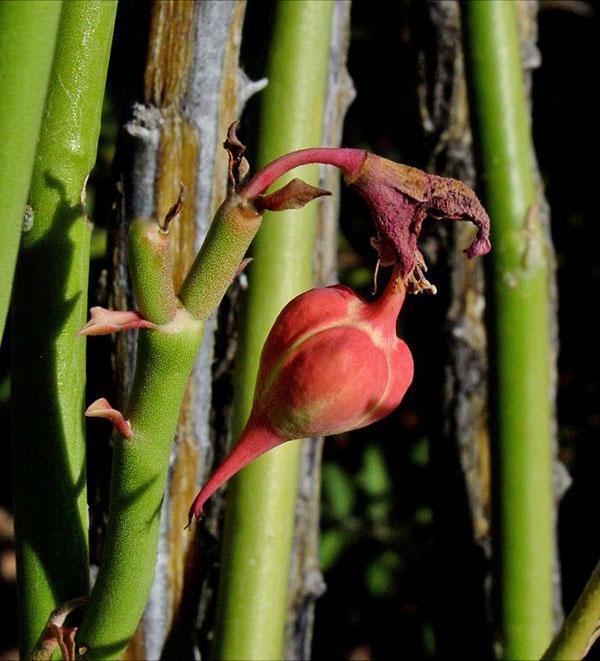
(580, 630)
(164, 362)
(165, 358)
(520, 331)
(228, 238)
(49, 307)
(193, 91)
(252, 601)
(27, 37)
(151, 266)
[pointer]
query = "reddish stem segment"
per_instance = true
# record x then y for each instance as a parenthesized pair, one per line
(389, 304)
(348, 160)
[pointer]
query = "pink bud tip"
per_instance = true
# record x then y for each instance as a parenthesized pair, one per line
(102, 409)
(103, 321)
(254, 441)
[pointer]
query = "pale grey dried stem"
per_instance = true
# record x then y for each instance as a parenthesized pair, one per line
(461, 458)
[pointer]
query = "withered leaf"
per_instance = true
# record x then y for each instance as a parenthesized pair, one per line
(238, 165)
(401, 198)
(294, 195)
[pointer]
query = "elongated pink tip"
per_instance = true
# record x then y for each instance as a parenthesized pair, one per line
(104, 322)
(254, 441)
(102, 409)
(481, 245)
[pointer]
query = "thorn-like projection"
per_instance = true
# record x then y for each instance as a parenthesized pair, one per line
(82, 199)
(102, 409)
(103, 321)
(294, 195)
(242, 267)
(238, 165)
(55, 634)
(175, 209)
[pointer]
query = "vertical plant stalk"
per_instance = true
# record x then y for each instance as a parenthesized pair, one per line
(166, 352)
(521, 331)
(305, 579)
(156, 179)
(581, 628)
(27, 39)
(194, 90)
(251, 608)
(465, 416)
(50, 301)
(561, 480)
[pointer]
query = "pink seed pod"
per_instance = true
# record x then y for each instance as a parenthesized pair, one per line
(331, 363)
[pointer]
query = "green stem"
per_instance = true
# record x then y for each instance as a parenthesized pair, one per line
(221, 254)
(27, 37)
(164, 361)
(48, 374)
(580, 629)
(261, 499)
(520, 332)
(151, 268)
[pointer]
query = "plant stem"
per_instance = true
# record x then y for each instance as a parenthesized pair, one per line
(347, 160)
(219, 258)
(48, 374)
(27, 38)
(261, 500)
(520, 332)
(164, 361)
(580, 629)
(304, 586)
(193, 48)
(140, 464)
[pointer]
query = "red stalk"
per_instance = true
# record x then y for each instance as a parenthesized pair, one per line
(348, 160)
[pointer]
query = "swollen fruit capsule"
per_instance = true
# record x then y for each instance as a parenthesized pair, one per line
(331, 363)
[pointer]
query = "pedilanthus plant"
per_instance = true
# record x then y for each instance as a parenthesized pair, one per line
(170, 331)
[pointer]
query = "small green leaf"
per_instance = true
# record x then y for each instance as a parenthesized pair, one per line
(380, 574)
(373, 476)
(332, 545)
(420, 453)
(339, 494)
